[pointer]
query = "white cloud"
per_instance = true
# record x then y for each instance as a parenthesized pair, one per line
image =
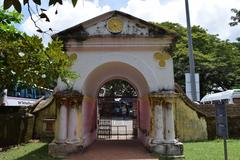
(213, 15)
(67, 16)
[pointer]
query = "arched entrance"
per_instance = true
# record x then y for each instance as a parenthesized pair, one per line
(95, 81)
(116, 45)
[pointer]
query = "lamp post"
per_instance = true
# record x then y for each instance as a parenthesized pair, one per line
(190, 54)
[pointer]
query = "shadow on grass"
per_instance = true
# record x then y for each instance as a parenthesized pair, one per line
(38, 154)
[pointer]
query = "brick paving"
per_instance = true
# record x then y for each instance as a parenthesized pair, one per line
(114, 150)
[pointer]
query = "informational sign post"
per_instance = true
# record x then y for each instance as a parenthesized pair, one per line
(221, 123)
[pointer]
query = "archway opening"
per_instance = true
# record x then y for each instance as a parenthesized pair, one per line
(117, 111)
(92, 85)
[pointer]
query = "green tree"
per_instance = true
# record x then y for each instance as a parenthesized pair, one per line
(18, 5)
(35, 7)
(25, 61)
(117, 88)
(217, 61)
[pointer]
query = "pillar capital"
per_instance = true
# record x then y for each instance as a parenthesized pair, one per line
(63, 101)
(69, 97)
(162, 97)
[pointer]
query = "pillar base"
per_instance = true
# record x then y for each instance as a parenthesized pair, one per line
(62, 150)
(168, 151)
(73, 141)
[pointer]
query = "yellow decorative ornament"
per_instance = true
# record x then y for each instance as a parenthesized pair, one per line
(162, 57)
(115, 25)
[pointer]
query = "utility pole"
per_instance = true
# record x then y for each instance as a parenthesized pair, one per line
(190, 54)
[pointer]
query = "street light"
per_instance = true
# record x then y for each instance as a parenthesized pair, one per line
(190, 54)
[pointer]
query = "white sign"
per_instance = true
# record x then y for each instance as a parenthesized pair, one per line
(188, 86)
(17, 101)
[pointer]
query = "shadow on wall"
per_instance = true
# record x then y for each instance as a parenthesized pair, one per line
(16, 125)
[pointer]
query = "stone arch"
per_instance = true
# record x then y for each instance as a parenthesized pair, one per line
(103, 74)
(115, 70)
(102, 59)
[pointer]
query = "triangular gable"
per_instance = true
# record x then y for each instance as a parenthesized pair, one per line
(114, 23)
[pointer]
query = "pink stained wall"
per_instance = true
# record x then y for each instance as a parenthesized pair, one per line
(143, 119)
(89, 121)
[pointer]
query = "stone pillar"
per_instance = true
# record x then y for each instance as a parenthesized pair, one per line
(61, 127)
(162, 140)
(158, 124)
(67, 134)
(72, 123)
(170, 130)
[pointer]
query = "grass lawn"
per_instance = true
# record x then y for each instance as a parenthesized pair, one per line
(30, 151)
(211, 150)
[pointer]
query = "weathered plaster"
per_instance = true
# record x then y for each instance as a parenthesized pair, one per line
(143, 119)
(188, 125)
(143, 62)
(135, 46)
(89, 120)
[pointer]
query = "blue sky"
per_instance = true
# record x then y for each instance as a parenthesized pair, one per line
(115, 4)
(213, 15)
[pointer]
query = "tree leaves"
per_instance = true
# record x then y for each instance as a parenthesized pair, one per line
(25, 2)
(54, 2)
(7, 4)
(25, 60)
(39, 30)
(17, 6)
(33, 8)
(43, 10)
(15, 3)
(74, 2)
(43, 15)
(38, 2)
(217, 61)
(236, 18)
(118, 87)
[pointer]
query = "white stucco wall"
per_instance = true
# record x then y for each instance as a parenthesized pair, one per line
(144, 62)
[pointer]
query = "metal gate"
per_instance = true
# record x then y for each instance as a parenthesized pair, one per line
(109, 131)
(111, 126)
(104, 129)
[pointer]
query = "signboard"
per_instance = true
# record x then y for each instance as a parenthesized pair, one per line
(221, 120)
(18, 101)
(221, 123)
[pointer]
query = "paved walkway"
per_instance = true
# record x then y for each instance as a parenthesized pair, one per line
(114, 150)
